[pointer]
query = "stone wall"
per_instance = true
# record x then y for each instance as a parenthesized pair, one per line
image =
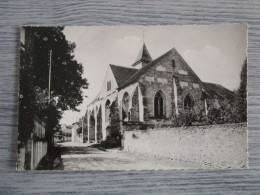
(216, 146)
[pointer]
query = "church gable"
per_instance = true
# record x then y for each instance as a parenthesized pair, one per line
(174, 63)
(160, 73)
(109, 84)
(115, 77)
(182, 69)
(169, 64)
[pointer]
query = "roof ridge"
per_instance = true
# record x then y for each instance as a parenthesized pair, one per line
(123, 66)
(217, 85)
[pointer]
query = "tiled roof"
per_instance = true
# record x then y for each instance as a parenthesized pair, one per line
(122, 74)
(218, 90)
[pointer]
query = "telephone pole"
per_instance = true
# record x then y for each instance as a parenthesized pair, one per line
(49, 92)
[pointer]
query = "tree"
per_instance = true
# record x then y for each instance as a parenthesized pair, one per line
(66, 78)
(242, 94)
(26, 98)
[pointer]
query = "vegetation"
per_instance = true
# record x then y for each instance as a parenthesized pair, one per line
(66, 79)
(220, 111)
(233, 110)
(241, 102)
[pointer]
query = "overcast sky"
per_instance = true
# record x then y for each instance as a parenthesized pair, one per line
(215, 52)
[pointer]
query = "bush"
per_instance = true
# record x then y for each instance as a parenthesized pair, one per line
(219, 112)
(226, 112)
(188, 118)
(111, 142)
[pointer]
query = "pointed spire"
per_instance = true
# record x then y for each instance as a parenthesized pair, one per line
(143, 57)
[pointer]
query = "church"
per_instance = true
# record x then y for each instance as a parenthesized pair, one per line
(153, 91)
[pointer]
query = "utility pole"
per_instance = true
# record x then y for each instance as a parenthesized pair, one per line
(49, 92)
(51, 138)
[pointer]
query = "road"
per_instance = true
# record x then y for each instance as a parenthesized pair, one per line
(83, 157)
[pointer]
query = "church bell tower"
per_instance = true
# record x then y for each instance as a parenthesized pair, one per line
(143, 58)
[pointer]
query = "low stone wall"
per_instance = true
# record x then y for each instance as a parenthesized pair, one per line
(216, 146)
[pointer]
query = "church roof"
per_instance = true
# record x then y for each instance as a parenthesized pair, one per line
(143, 56)
(125, 76)
(143, 70)
(122, 74)
(218, 90)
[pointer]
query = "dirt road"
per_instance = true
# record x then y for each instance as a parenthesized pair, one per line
(81, 157)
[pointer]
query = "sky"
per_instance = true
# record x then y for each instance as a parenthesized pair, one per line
(214, 52)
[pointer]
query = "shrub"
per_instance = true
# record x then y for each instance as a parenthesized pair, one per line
(111, 142)
(226, 112)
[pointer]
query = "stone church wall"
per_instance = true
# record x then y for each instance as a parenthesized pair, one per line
(223, 146)
(195, 92)
(158, 81)
(160, 77)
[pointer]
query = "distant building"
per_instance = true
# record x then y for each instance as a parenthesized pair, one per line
(153, 91)
(76, 133)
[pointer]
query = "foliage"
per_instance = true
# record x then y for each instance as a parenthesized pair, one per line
(242, 94)
(226, 112)
(111, 142)
(219, 112)
(66, 72)
(79, 130)
(188, 118)
(66, 79)
(26, 98)
(233, 110)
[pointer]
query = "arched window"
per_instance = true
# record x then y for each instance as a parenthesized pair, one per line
(107, 110)
(173, 64)
(159, 105)
(125, 107)
(188, 102)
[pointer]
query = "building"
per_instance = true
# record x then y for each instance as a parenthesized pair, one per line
(76, 133)
(66, 131)
(153, 91)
